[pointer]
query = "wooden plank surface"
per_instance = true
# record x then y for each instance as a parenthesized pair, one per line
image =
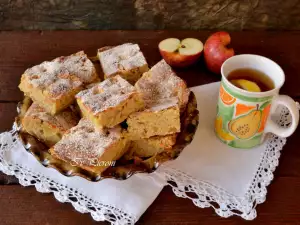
(154, 14)
(19, 202)
(20, 50)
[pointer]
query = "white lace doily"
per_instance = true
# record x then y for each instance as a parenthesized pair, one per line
(62, 193)
(205, 195)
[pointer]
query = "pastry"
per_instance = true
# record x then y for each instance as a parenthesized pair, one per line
(160, 117)
(148, 147)
(109, 102)
(54, 84)
(160, 82)
(165, 95)
(135, 112)
(46, 127)
(127, 60)
(87, 148)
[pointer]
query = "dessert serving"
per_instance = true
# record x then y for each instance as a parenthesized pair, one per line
(85, 147)
(159, 118)
(110, 102)
(147, 147)
(132, 121)
(47, 127)
(54, 84)
(162, 83)
(127, 60)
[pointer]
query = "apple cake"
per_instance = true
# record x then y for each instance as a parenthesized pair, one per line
(109, 102)
(160, 82)
(148, 147)
(127, 60)
(46, 127)
(87, 148)
(160, 117)
(54, 84)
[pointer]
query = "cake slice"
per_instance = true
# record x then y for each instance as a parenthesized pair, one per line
(109, 102)
(87, 148)
(161, 117)
(160, 82)
(151, 146)
(54, 84)
(46, 127)
(127, 60)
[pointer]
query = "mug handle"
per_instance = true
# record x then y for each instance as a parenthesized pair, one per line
(292, 107)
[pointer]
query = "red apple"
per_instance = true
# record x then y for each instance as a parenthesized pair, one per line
(180, 53)
(216, 52)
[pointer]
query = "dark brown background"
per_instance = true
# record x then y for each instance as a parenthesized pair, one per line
(149, 14)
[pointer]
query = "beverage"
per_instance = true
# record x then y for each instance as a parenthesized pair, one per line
(239, 78)
(247, 99)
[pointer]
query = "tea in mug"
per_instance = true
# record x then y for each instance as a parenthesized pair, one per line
(251, 80)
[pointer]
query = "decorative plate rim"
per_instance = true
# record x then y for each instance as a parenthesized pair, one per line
(123, 169)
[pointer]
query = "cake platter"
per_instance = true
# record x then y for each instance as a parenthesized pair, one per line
(124, 167)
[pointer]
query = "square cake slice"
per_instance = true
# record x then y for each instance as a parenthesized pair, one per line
(159, 118)
(127, 60)
(54, 84)
(87, 148)
(151, 146)
(46, 127)
(160, 82)
(109, 102)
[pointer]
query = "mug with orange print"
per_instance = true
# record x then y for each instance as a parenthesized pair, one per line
(249, 95)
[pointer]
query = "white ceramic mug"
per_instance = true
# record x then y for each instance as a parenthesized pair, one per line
(244, 117)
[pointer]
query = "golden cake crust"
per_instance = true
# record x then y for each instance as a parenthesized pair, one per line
(159, 118)
(160, 82)
(109, 102)
(46, 127)
(54, 84)
(127, 60)
(151, 146)
(85, 147)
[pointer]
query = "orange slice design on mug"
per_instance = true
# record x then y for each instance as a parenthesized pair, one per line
(227, 99)
(264, 118)
(242, 109)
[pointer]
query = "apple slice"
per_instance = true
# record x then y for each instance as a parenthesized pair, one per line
(180, 53)
(169, 45)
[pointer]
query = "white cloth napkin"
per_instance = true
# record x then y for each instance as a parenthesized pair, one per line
(209, 159)
(234, 179)
(120, 202)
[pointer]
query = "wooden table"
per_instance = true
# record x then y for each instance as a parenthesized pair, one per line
(20, 50)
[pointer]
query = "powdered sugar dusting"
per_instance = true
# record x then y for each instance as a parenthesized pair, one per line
(123, 57)
(62, 86)
(161, 104)
(162, 83)
(109, 93)
(83, 143)
(62, 74)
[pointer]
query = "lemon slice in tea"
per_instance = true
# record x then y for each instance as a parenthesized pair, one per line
(246, 85)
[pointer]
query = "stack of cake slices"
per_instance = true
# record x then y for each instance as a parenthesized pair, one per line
(148, 102)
